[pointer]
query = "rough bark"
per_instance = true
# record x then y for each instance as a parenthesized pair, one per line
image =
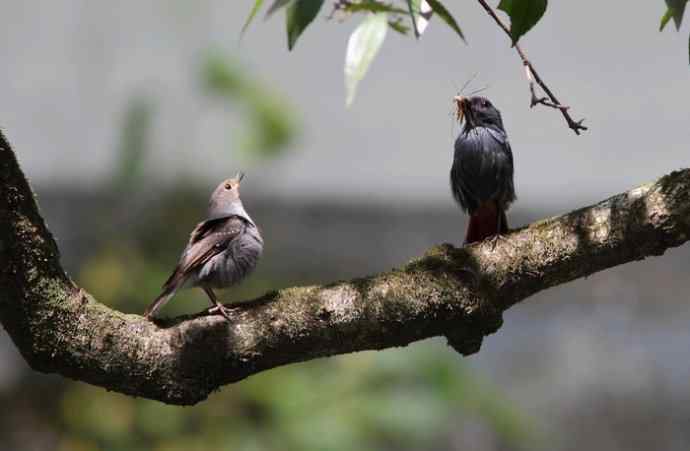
(459, 293)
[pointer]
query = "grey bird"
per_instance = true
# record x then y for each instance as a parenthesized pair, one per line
(481, 177)
(222, 250)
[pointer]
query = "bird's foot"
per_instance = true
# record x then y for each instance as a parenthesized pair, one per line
(222, 310)
(494, 240)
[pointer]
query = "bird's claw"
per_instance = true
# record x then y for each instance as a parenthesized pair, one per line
(222, 310)
(494, 240)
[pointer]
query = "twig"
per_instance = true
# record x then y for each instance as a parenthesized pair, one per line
(533, 76)
(543, 100)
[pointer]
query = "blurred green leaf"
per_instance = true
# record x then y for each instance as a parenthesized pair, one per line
(524, 14)
(362, 47)
(399, 26)
(677, 8)
(134, 144)
(270, 124)
(665, 18)
(277, 4)
(159, 420)
(446, 16)
(96, 413)
(252, 14)
(300, 13)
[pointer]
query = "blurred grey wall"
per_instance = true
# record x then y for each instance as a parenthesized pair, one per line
(70, 67)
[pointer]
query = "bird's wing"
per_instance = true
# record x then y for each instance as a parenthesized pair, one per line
(482, 166)
(209, 238)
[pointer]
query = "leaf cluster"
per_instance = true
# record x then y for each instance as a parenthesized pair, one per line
(404, 16)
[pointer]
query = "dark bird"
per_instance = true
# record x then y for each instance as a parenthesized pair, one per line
(481, 178)
(222, 250)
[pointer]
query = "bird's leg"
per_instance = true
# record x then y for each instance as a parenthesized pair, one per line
(216, 307)
(499, 227)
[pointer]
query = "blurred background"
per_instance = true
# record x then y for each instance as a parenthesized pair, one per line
(125, 115)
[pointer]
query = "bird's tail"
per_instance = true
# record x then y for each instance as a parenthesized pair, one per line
(486, 221)
(159, 302)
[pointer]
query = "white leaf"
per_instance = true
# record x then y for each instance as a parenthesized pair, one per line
(425, 13)
(362, 47)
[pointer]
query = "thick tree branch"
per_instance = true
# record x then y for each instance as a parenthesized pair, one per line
(60, 328)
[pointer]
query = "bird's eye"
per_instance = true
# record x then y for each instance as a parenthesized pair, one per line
(486, 104)
(228, 186)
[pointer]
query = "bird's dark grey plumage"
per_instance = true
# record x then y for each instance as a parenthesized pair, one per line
(481, 177)
(222, 250)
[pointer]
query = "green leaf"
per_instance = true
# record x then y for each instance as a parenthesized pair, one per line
(373, 6)
(362, 47)
(665, 18)
(134, 144)
(420, 13)
(270, 123)
(677, 8)
(398, 26)
(524, 14)
(443, 13)
(300, 14)
(252, 14)
(277, 4)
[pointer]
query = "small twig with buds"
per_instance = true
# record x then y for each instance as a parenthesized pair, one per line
(338, 5)
(533, 76)
(536, 100)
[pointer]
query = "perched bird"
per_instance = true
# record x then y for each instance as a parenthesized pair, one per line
(222, 250)
(481, 178)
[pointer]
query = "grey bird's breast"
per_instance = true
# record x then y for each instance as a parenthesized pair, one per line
(235, 262)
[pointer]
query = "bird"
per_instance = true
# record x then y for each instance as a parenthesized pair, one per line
(481, 177)
(222, 250)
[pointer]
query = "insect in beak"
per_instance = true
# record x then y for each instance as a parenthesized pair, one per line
(462, 108)
(459, 113)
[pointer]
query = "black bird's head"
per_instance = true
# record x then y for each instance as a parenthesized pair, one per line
(477, 111)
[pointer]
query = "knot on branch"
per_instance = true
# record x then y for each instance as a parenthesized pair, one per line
(467, 338)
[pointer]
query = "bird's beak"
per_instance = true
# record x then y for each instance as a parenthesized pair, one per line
(239, 176)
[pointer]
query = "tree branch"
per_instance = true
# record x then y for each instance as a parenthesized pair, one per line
(59, 328)
(533, 76)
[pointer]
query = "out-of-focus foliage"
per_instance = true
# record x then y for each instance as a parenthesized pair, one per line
(133, 143)
(252, 14)
(270, 123)
(405, 399)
